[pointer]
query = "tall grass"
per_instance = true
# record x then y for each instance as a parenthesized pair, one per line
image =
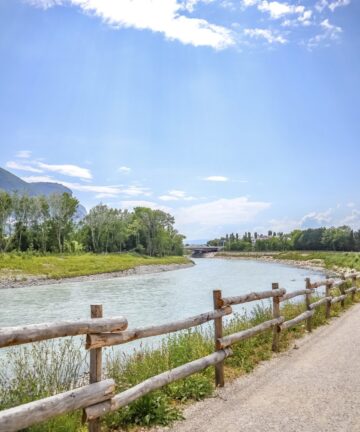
(56, 266)
(48, 368)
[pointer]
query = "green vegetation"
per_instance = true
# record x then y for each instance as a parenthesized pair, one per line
(319, 239)
(47, 224)
(32, 373)
(329, 260)
(21, 265)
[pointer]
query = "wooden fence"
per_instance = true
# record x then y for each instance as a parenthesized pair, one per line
(99, 398)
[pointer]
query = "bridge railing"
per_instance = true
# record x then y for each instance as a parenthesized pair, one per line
(99, 398)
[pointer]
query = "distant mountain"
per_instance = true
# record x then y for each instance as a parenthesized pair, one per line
(11, 183)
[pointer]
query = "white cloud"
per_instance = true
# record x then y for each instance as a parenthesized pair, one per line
(23, 154)
(124, 169)
(67, 170)
(248, 3)
(35, 179)
(332, 5)
(267, 34)
(316, 218)
(135, 190)
(163, 16)
(176, 195)
(350, 205)
(353, 219)
(278, 10)
(330, 32)
(221, 212)
(216, 178)
(168, 198)
(22, 167)
(310, 220)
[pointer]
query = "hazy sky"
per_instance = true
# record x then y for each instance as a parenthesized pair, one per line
(231, 115)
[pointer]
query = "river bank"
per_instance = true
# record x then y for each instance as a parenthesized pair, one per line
(25, 271)
(331, 263)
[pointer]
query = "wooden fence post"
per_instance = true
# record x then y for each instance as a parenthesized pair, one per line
(342, 291)
(307, 303)
(276, 314)
(95, 366)
(218, 330)
(354, 286)
(328, 287)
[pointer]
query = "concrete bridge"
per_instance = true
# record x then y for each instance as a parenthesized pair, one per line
(199, 251)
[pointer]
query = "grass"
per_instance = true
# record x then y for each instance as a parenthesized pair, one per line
(19, 266)
(45, 369)
(329, 260)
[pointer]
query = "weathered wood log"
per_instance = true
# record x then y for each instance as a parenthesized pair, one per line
(320, 302)
(248, 333)
(351, 275)
(350, 290)
(297, 320)
(36, 332)
(23, 416)
(218, 332)
(321, 283)
(154, 383)
(328, 289)
(227, 301)
(276, 315)
(340, 298)
(338, 283)
(96, 311)
(107, 339)
(307, 303)
(293, 294)
(353, 292)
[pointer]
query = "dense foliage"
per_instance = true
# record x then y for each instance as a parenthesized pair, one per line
(319, 239)
(48, 224)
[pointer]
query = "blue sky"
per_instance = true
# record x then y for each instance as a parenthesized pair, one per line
(231, 115)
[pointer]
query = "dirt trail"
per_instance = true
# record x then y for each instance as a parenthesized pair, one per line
(313, 388)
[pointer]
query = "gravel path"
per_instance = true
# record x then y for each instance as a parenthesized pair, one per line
(313, 388)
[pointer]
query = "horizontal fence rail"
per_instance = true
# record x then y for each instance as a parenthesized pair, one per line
(108, 339)
(248, 333)
(37, 332)
(227, 301)
(23, 416)
(99, 398)
(156, 382)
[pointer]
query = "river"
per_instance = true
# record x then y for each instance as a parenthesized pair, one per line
(152, 298)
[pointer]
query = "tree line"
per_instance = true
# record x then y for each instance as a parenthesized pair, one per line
(48, 224)
(320, 239)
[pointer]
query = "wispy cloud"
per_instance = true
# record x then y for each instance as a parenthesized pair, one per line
(268, 35)
(331, 4)
(35, 179)
(124, 169)
(22, 167)
(176, 195)
(216, 178)
(162, 16)
(67, 170)
(329, 33)
(23, 154)
(176, 19)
